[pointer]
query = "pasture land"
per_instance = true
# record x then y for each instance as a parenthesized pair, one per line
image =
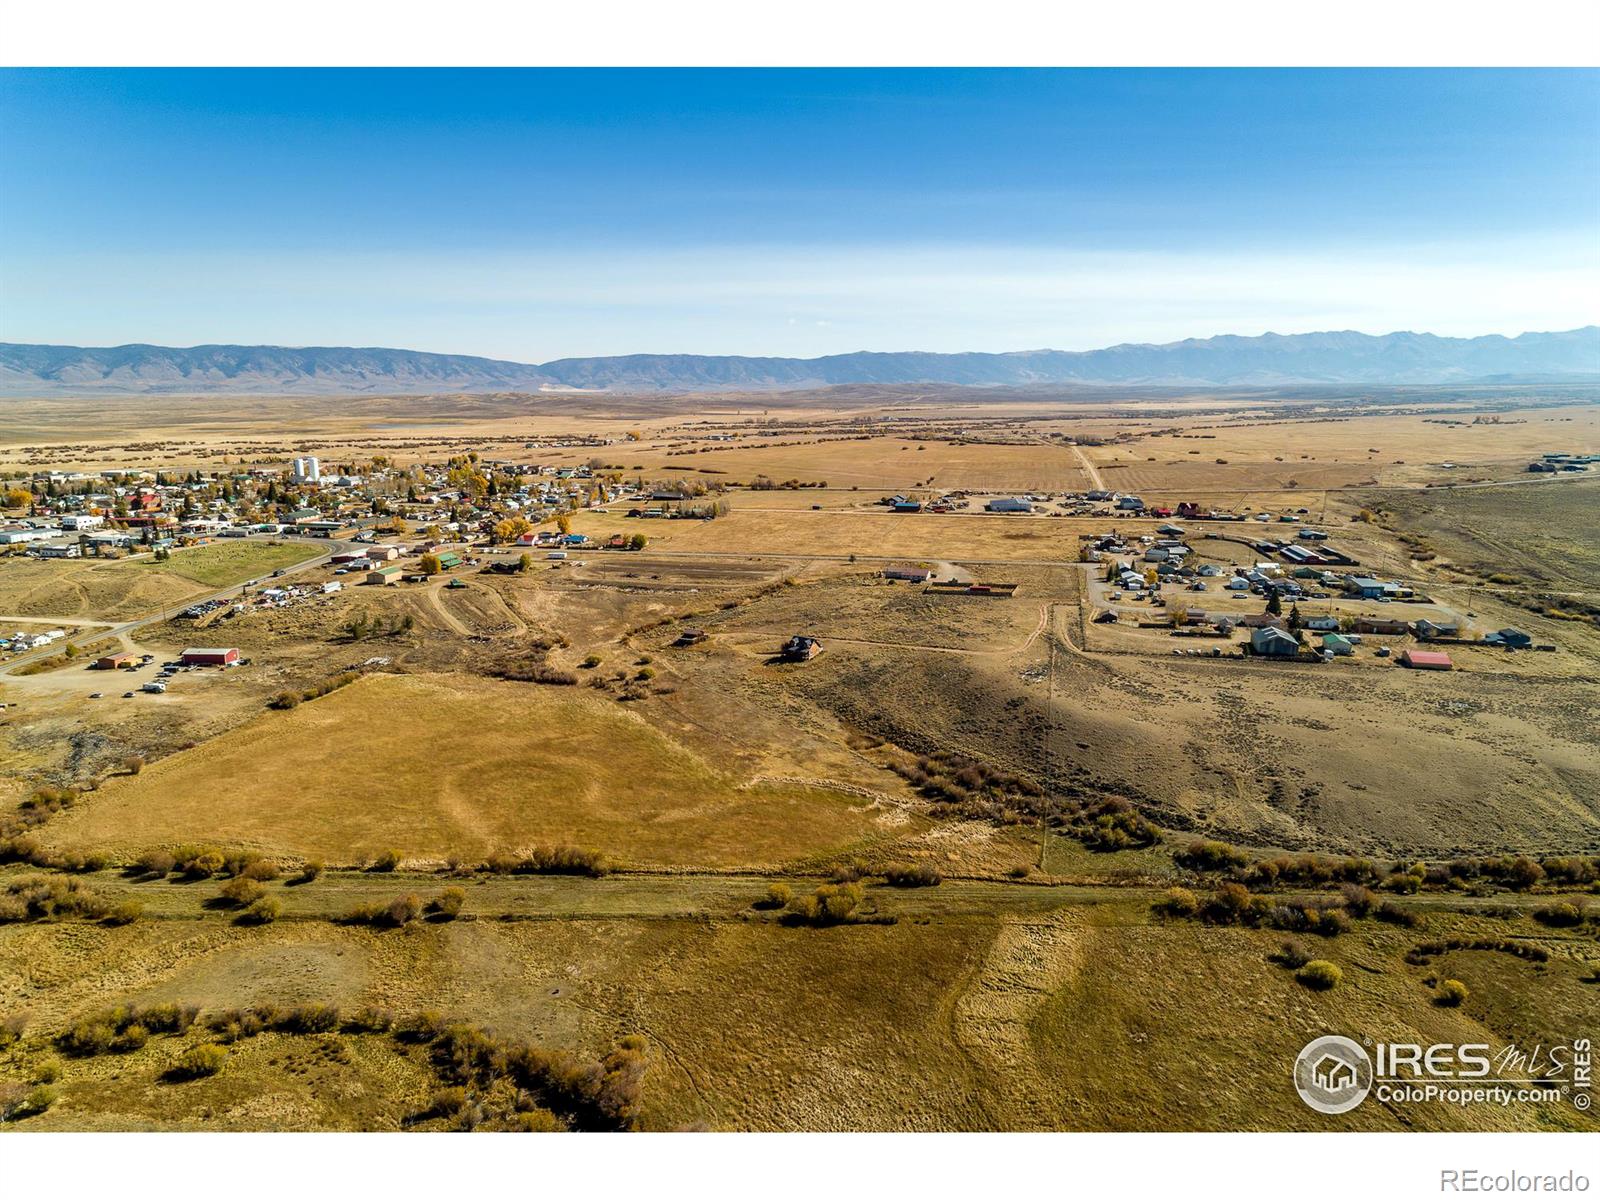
(451, 766)
(223, 563)
(1029, 1008)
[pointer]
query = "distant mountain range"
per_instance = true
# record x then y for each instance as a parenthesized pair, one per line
(1344, 358)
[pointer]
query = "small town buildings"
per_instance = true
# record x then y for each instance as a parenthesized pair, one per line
(1273, 642)
(1364, 586)
(1334, 643)
(1426, 630)
(1131, 504)
(1009, 504)
(1262, 621)
(1425, 660)
(382, 553)
(800, 648)
(210, 657)
(1512, 639)
(911, 574)
(112, 662)
(384, 576)
(907, 506)
(1380, 625)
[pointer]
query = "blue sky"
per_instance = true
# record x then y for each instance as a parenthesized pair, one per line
(540, 214)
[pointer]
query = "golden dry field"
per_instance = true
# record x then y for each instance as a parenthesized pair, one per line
(638, 799)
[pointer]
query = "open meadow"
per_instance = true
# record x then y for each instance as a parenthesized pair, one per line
(1046, 859)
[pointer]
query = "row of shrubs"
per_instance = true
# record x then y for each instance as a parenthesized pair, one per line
(1424, 952)
(124, 1029)
(829, 904)
(403, 910)
(1564, 915)
(22, 848)
(1234, 904)
(550, 860)
(191, 861)
(1516, 871)
(46, 898)
(290, 699)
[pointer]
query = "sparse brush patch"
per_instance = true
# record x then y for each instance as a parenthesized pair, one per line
(1452, 994)
(969, 788)
(240, 892)
(27, 1102)
(1393, 914)
(200, 1061)
(912, 875)
(1178, 902)
(397, 912)
(309, 872)
(1114, 825)
(1320, 975)
(830, 904)
(849, 872)
(155, 862)
(199, 862)
(124, 912)
(778, 896)
(1561, 915)
(1291, 954)
(387, 861)
(447, 904)
(262, 912)
(51, 898)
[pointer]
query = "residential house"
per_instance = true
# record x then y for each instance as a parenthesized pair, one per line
(1334, 643)
(1380, 625)
(1510, 638)
(1426, 630)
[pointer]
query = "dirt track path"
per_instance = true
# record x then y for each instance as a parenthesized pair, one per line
(1089, 469)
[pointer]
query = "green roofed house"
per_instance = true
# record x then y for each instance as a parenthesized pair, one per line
(1334, 643)
(448, 560)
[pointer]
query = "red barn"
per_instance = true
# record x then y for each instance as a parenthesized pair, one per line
(1426, 660)
(210, 657)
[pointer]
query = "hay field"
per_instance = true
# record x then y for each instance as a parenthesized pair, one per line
(880, 534)
(449, 765)
(877, 462)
